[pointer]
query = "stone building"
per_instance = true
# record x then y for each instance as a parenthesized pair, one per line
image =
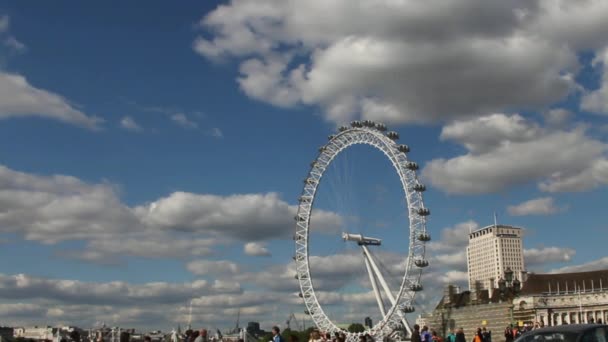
(553, 299)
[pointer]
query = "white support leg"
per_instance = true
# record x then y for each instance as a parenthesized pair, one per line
(387, 290)
(372, 279)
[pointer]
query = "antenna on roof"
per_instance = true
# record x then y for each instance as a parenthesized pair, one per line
(495, 220)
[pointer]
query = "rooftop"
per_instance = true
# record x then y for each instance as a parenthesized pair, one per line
(565, 282)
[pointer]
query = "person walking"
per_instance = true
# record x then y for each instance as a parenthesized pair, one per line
(425, 335)
(451, 336)
(276, 334)
(460, 335)
(509, 333)
(478, 336)
(416, 334)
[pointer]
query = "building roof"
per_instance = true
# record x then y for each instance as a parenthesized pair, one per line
(565, 282)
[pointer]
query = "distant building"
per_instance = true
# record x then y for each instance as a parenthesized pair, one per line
(491, 251)
(502, 293)
(35, 333)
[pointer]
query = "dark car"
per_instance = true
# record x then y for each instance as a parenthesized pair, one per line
(567, 333)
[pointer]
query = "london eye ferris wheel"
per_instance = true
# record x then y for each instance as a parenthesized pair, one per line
(393, 303)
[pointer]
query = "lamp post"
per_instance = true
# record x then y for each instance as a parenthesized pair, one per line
(509, 276)
(509, 289)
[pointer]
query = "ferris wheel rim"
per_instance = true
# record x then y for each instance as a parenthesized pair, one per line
(346, 138)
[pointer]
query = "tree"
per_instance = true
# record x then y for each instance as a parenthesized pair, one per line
(356, 328)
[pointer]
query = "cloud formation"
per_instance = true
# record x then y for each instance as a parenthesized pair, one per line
(130, 124)
(508, 150)
(57, 208)
(537, 206)
(18, 98)
(392, 61)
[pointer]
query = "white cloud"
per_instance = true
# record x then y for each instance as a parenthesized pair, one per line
(547, 255)
(557, 117)
(57, 208)
(182, 120)
(8, 40)
(390, 60)
(595, 265)
(130, 124)
(596, 101)
(212, 267)
(252, 217)
(256, 249)
(537, 206)
(216, 133)
(20, 99)
(4, 23)
(518, 153)
(147, 244)
(22, 286)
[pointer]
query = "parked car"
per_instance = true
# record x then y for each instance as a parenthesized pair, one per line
(567, 333)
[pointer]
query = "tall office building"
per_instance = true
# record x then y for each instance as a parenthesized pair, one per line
(491, 251)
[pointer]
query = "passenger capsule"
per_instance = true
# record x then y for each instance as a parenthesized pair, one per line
(369, 123)
(342, 128)
(322, 149)
(408, 309)
(424, 237)
(330, 137)
(421, 263)
(310, 181)
(416, 287)
(411, 166)
(419, 187)
(299, 218)
(381, 127)
(423, 211)
(392, 135)
(357, 124)
(403, 148)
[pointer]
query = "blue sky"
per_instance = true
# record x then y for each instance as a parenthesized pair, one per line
(152, 155)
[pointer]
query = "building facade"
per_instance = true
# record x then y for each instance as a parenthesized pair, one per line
(491, 251)
(564, 298)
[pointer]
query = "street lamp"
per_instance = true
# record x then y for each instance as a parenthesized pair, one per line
(502, 286)
(509, 275)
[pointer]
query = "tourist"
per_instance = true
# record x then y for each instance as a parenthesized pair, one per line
(276, 334)
(486, 335)
(416, 334)
(425, 336)
(202, 336)
(509, 333)
(451, 336)
(193, 336)
(478, 336)
(460, 335)
(292, 338)
(315, 336)
(435, 337)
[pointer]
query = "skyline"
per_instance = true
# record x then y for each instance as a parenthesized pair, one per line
(153, 156)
